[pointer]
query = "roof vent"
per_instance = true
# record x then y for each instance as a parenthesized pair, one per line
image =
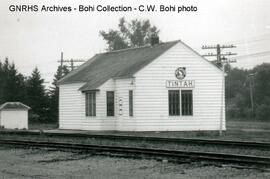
(154, 39)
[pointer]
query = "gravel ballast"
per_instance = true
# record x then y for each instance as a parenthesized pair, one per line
(44, 163)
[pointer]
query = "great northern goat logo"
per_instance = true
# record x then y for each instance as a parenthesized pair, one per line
(180, 73)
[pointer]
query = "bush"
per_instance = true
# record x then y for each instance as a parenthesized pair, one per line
(262, 112)
(34, 118)
(239, 113)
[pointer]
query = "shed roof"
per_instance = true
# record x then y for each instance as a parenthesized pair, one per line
(14, 105)
(115, 64)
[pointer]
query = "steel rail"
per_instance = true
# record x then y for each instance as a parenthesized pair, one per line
(260, 145)
(209, 156)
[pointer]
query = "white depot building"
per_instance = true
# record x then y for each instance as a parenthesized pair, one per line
(163, 87)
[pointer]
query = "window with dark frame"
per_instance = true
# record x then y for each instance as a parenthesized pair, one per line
(174, 103)
(187, 102)
(90, 103)
(110, 103)
(130, 103)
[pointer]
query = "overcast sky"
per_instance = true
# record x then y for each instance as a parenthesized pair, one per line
(36, 39)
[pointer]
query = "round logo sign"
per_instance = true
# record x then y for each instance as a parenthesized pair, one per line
(180, 73)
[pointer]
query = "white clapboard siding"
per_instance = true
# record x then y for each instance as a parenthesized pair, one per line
(151, 106)
(71, 106)
(124, 121)
(101, 121)
(118, 122)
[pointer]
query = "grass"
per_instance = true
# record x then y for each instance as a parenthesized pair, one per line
(239, 125)
(248, 130)
(43, 126)
(240, 130)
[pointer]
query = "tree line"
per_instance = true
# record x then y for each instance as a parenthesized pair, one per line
(31, 91)
(248, 92)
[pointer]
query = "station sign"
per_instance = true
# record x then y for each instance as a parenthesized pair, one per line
(180, 83)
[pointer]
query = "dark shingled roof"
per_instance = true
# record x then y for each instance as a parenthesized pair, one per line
(14, 105)
(115, 64)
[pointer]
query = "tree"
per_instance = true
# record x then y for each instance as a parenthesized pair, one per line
(236, 82)
(262, 91)
(2, 82)
(37, 97)
(133, 34)
(12, 86)
(238, 93)
(54, 93)
(262, 82)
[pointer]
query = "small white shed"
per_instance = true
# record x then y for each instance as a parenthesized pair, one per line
(14, 115)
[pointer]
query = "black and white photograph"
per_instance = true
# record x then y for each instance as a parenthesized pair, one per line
(125, 89)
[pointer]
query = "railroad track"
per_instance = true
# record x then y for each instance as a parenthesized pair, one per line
(257, 145)
(175, 154)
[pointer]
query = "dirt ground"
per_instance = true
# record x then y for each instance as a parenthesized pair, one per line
(45, 163)
(240, 130)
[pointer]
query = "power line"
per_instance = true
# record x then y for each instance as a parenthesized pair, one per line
(258, 38)
(70, 62)
(265, 53)
(251, 39)
(221, 54)
(218, 49)
(217, 46)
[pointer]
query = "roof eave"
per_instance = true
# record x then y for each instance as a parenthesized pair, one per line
(90, 90)
(2, 107)
(123, 77)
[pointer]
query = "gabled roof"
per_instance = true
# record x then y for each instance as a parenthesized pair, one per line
(115, 64)
(14, 105)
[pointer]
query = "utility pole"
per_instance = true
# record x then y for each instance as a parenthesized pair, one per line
(222, 61)
(61, 64)
(218, 53)
(218, 49)
(251, 87)
(70, 63)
